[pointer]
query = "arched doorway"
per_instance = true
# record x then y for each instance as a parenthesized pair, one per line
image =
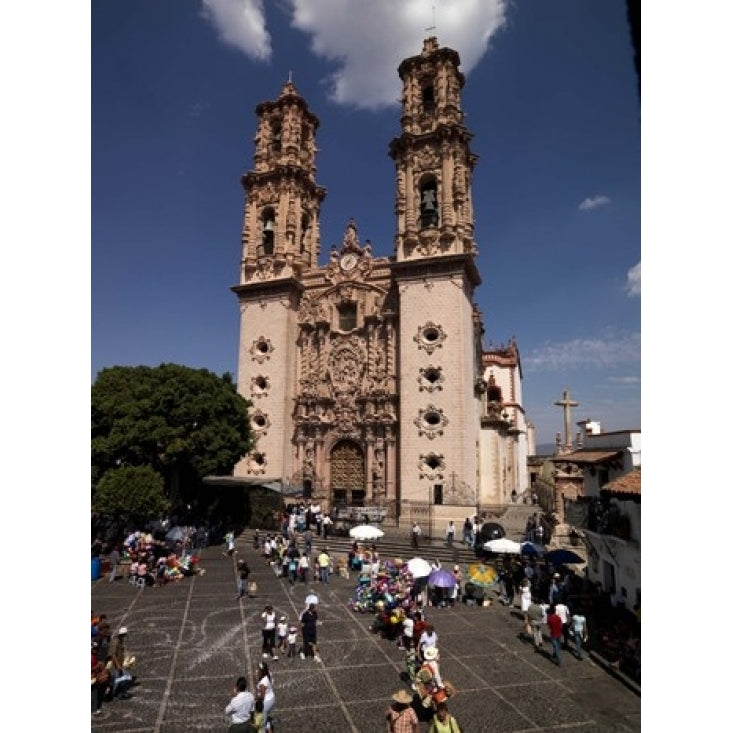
(348, 482)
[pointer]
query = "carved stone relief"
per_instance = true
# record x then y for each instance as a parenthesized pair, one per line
(430, 422)
(430, 337)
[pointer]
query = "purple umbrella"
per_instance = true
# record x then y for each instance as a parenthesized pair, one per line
(441, 579)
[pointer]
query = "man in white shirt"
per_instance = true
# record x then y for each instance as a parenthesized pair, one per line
(564, 613)
(427, 638)
(416, 532)
(242, 704)
(408, 628)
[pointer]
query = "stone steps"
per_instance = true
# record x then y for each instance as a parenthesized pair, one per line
(389, 546)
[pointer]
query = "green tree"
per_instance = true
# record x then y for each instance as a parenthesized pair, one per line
(131, 493)
(185, 423)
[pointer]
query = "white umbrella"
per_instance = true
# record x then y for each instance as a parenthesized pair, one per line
(503, 545)
(419, 568)
(366, 532)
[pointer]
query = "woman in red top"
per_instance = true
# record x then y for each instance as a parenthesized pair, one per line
(554, 623)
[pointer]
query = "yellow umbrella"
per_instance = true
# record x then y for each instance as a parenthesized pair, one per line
(481, 575)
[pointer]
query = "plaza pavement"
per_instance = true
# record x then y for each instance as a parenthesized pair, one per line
(193, 638)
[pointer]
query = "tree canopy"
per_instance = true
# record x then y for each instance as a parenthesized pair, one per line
(182, 422)
(131, 493)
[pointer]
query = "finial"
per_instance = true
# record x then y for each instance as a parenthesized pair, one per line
(290, 76)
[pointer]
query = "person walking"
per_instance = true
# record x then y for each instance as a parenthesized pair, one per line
(579, 628)
(120, 679)
(240, 707)
(467, 532)
(324, 565)
(564, 613)
(114, 559)
(535, 616)
(554, 624)
(450, 533)
(443, 721)
(309, 624)
(415, 533)
(269, 622)
(303, 568)
(428, 638)
(243, 569)
(264, 691)
(400, 716)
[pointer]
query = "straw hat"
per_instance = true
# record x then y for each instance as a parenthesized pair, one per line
(403, 697)
(430, 653)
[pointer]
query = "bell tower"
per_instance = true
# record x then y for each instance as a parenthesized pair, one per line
(280, 244)
(281, 232)
(436, 275)
(433, 160)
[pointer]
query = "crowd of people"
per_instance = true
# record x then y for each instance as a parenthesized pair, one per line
(386, 588)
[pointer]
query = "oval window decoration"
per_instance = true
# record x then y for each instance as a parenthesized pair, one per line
(260, 385)
(431, 421)
(430, 336)
(431, 378)
(260, 422)
(261, 349)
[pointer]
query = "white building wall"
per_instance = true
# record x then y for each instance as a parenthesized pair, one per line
(272, 320)
(441, 301)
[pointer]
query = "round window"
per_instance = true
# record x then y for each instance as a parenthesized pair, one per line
(261, 383)
(432, 374)
(432, 418)
(431, 334)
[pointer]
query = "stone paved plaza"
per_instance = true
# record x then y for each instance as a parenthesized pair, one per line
(193, 638)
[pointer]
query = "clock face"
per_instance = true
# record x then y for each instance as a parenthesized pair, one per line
(348, 261)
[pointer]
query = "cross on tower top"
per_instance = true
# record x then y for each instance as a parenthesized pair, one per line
(566, 403)
(434, 25)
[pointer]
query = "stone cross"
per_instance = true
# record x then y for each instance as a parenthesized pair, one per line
(566, 404)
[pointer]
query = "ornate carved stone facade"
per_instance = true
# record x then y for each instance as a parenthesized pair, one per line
(368, 377)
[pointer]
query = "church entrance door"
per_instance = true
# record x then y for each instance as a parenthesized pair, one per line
(347, 474)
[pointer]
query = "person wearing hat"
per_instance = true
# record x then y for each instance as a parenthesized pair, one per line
(120, 679)
(400, 716)
(431, 655)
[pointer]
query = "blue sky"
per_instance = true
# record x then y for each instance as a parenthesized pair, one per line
(551, 97)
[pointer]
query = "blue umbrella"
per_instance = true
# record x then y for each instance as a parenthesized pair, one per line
(532, 549)
(563, 557)
(441, 579)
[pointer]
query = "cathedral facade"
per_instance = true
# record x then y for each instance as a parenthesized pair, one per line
(367, 376)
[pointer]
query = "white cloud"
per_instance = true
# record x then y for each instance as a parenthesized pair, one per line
(633, 280)
(625, 381)
(593, 202)
(365, 40)
(368, 40)
(240, 23)
(609, 349)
